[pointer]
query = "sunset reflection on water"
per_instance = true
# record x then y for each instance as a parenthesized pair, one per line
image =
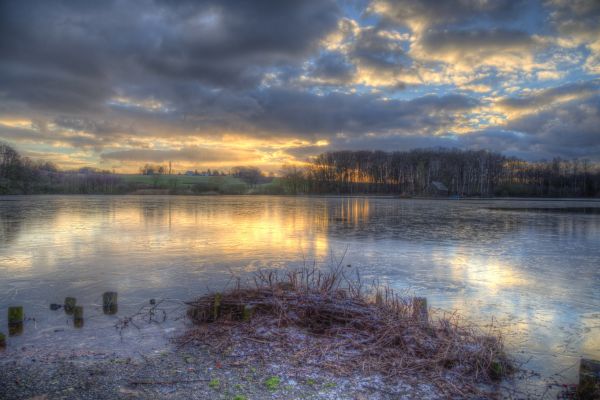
(535, 273)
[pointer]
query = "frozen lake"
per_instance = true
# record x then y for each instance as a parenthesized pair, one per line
(531, 265)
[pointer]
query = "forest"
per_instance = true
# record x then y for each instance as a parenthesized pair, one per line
(462, 172)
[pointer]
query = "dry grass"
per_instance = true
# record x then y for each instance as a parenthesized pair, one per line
(326, 319)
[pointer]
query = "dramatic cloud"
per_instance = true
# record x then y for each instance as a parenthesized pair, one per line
(569, 130)
(422, 14)
(577, 24)
(316, 116)
(538, 99)
(505, 49)
(118, 83)
(333, 67)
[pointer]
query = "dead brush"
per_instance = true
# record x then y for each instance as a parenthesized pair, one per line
(332, 321)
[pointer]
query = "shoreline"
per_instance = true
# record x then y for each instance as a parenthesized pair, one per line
(189, 372)
(3, 197)
(330, 347)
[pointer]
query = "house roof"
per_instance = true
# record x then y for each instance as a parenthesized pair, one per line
(439, 185)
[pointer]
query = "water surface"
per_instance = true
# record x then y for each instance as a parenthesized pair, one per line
(535, 273)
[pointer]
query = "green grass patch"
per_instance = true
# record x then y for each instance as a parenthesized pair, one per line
(273, 383)
(183, 183)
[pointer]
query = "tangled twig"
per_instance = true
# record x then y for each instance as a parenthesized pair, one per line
(327, 319)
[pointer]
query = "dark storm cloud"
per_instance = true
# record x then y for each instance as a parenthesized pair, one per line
(265, 114)
(466, 33)
(372, 49)
(72, 55)
(311, 115)
(577, 22)
(333, 66)
(575, 17)
(116, 74)
(225, 42)
(276, 112)
(95, 126)
(569, 130)
(47, 89)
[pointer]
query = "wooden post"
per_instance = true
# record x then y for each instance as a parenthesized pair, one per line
(15, 320)
(247, 313)
(217, 306)
(589, 379)
(15, 329)
(420, 312)
(2, 341)
(70, 303)
(379, 298)
(109, 303)
(78, 316)
(15, 315)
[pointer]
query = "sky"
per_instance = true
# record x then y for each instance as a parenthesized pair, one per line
(214, 84)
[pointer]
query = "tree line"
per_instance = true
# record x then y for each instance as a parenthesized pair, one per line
(22, 175)
(420, 172)
(461, 172)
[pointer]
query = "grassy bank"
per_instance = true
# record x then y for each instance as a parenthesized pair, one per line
(179, 180)
(184, 184)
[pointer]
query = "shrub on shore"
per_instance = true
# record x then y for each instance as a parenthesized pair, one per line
(327, 319)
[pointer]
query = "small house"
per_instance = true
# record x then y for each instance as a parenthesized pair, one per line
(437, 188)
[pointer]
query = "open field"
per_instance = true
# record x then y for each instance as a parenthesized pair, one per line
(182, 184)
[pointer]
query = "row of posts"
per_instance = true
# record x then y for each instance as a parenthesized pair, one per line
(16, 315)
(589, 372)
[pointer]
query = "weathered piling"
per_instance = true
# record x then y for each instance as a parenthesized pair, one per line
(15, 320)
(379, 298)
(589, 379)
(15, 330)
(2, 341)
(217, 306)
(15, 315)
(248, 312)
(70, 303)
(420, 312)
(109, 303)
(78, 316)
